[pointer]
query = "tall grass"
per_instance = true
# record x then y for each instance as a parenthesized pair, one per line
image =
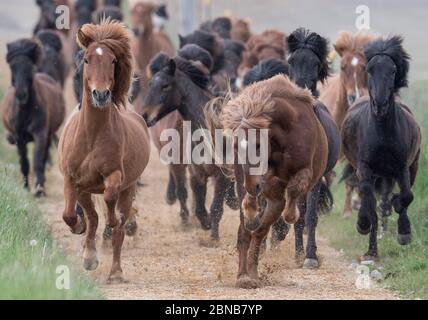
(29, 257)
(405, 267)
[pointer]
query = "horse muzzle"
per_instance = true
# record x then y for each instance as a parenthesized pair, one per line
(101, 98)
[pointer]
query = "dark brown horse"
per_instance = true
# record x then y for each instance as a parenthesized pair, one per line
(178, 84)
(382, 140)
(33, 108)
(297, 155)
(340, 91)
(104, 147)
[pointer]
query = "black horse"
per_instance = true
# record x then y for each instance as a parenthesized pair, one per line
(48, 16)
(308, 65)
(381, 139)
(177, 84)
(53, 62)
(266, 69)
(33, 108)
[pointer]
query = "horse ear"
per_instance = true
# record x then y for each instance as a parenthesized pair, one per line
(171, 67)
(182, 41)
(82, 39)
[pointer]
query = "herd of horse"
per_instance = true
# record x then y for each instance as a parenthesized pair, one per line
(131, 84)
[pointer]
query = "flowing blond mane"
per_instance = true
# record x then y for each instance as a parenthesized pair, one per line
(254, 107)
(353, 43)
(115, 36)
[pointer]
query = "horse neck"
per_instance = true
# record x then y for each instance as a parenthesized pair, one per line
(342, 103)
(193, 101)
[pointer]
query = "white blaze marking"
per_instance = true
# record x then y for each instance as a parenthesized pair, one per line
(99, 51)
(354, 61)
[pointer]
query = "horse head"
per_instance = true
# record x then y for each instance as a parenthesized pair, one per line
(387, 68)
(308, 53)
(23, 57)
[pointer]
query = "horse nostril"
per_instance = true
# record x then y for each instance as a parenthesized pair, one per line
(145, 116)
(95, 94)
(258, 188)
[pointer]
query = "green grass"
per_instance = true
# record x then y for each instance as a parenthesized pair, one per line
(29, 271)
(405, 267)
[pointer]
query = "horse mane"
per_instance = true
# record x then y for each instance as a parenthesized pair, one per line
(254, 107)
(354, 43)
(222, 26)
(114, 35)
(303, 38)
(196, 53)
(393, 48)
(197, 76)
(112, 12)
(50, 38)
(209, 42)
(24, 47)
(266, 69)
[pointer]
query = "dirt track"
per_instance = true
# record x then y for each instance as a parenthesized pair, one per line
(166, 262)
(163, 261)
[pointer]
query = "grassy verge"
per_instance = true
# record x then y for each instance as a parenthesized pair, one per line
(405, 267)
(29, 257)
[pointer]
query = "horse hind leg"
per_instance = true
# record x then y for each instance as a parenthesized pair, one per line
(90, 261)
(124, 205)
(23, 160)
(299, 251)
(171, 195)
(199, 190)
(385, 206)
(39, 162)
(231, 198)
(217, 206)
(179, 176)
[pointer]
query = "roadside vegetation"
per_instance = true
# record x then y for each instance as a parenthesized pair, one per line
(29, 257)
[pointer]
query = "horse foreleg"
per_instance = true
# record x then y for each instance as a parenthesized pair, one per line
(171, 195)
(299, 226)
(179, 176)
(401, 202)
(272, 213)
(217, 206)
(367, 216)
(39, 162)
(296, 186)
(125, 200)
(75, 221)
(199, 190)
(90, 261)
(243, 243)
(23, 160)
(311, 221)
(111, 195)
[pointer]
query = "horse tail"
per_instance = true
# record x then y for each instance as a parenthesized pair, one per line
(325, 199)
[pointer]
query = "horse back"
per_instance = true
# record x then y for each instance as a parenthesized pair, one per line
(49, 97)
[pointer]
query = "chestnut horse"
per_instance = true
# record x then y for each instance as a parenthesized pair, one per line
(104, 148)
(33, 108)
(297, 155)
(268, 45)
(340, 91)
(382, 140)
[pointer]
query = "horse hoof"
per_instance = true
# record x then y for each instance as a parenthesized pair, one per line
(404, 239)
(205, 224)
(247, 283)
(40, 192)
(116, 278)
(170, 199)
(363, 226)
(108, 233)
(131, 228)
(90, 264)
(347, 214)
(311, 264)
(80, 226)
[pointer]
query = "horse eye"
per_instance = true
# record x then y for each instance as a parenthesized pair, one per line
(86, 61)
(114, 61)
(166, 87)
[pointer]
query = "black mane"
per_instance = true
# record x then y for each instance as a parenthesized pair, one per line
(393, 48)
(161, 61)
(50, 38)
(305, 39)
(265, 70)
(222, 26)
(24, 47)
(112, 12)
(196, 53)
